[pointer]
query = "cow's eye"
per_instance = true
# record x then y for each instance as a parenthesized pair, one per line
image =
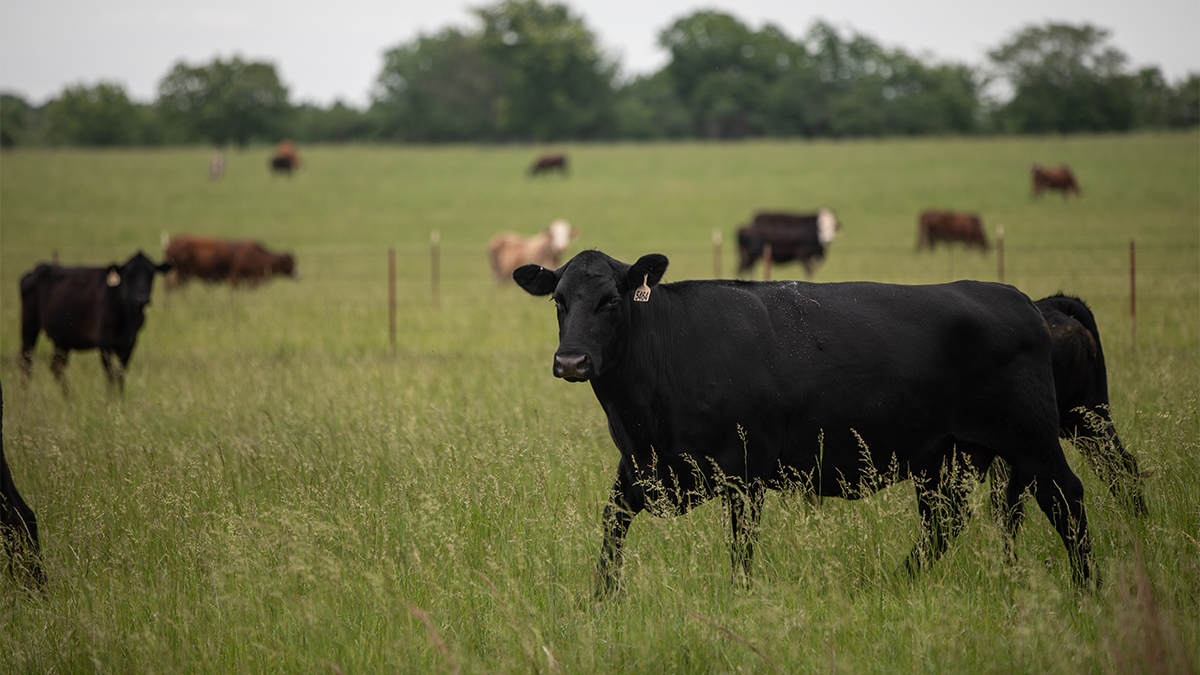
(612, 302)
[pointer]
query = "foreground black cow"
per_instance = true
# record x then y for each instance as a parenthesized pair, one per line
(1081, 389)
(18, 524)
(792, 236)
(726, 388)
(87, 308)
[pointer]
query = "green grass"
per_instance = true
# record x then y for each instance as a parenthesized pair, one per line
(278, 491)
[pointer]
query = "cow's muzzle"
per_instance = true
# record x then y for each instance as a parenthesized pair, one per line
(573, 367)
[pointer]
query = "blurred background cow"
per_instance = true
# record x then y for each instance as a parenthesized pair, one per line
(216, 260)
(950, 226)
(547, 163)
(791, 236)
(1059, 178)
(508, 251)
(286, 159)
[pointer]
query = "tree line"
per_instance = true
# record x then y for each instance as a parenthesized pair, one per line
(533, 71)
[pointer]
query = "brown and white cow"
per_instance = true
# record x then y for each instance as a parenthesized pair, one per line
(950, 226)
(1059, 178)
(508, 251)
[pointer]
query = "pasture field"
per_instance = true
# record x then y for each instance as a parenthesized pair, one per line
(279, 491)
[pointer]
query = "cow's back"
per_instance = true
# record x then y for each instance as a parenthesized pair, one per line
(68, 301)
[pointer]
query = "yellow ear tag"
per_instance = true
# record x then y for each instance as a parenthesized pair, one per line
(642, 293)
(113, 279)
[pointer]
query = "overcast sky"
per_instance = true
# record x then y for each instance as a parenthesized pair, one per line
(334, 50)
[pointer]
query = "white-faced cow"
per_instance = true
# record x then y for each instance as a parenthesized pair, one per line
(1059, 178)
(727, 388)
(792, 236)
(87, 308)
(18, 524)
(508, 251)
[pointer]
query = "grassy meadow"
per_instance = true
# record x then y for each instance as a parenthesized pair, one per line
(280, 491)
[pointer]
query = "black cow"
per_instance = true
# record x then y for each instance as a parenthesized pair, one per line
(284, 164)
(18, 524)
(87, 308)
(728, 387)
(548, 163)
(1081, 389)
(792, 236)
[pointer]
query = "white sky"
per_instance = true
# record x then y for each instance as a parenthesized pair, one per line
(326, 51)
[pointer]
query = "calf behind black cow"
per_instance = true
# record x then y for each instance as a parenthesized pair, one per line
(726, 388)
(18, 524)
(87, 308)
(1081, 389)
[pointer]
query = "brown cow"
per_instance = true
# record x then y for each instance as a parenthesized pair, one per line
(1054, 178)
(547, 163)
(285, 159)
(508, 251)
(215, 260)
(950, 226)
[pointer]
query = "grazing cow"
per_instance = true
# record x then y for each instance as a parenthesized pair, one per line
(216, 260)
(18, 524)
(87, 308)
(508, 251)
(1081, 390)
(216, 166)
(729, 387)
(950, 226)
(791, 236)
(1059, 178)
(547, 163)
(285, 159)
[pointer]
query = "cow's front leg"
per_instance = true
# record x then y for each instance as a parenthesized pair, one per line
(745, 507)
(115, 372)
(625, 501)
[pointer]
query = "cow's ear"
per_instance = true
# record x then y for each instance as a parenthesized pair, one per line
(535, 279)
(114, 276)
(164, 268)
(649, 269)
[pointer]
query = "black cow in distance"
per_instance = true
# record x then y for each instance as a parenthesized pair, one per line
(18, 524)
(87, 308)
(727, 388)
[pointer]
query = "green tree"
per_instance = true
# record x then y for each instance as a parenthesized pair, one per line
(15, 118)
(225, 101)
(438, 88)
(556, 83)
(722, 71)
(647, 108)
(1065, 79)
(97, 115)
(338, 123)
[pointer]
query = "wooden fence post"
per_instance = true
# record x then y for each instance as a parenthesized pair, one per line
(1000, 251)
(1133, 293)
(716, 239)
(392, 298)
(435, 240)
(767, 261)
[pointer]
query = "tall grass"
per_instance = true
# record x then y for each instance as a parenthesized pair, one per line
(279, 491)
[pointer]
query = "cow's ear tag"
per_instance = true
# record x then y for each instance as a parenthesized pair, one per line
(113, 279)
(642, 293)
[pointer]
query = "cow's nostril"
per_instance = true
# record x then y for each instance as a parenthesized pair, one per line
(572, 367)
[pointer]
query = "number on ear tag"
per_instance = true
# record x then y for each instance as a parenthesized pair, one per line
(642, 293)
(113, 279)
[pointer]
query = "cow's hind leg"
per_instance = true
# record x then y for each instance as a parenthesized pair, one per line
(1061, 499)
(30, 327)
(745, 507)
(942, 502)
(58, 364)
